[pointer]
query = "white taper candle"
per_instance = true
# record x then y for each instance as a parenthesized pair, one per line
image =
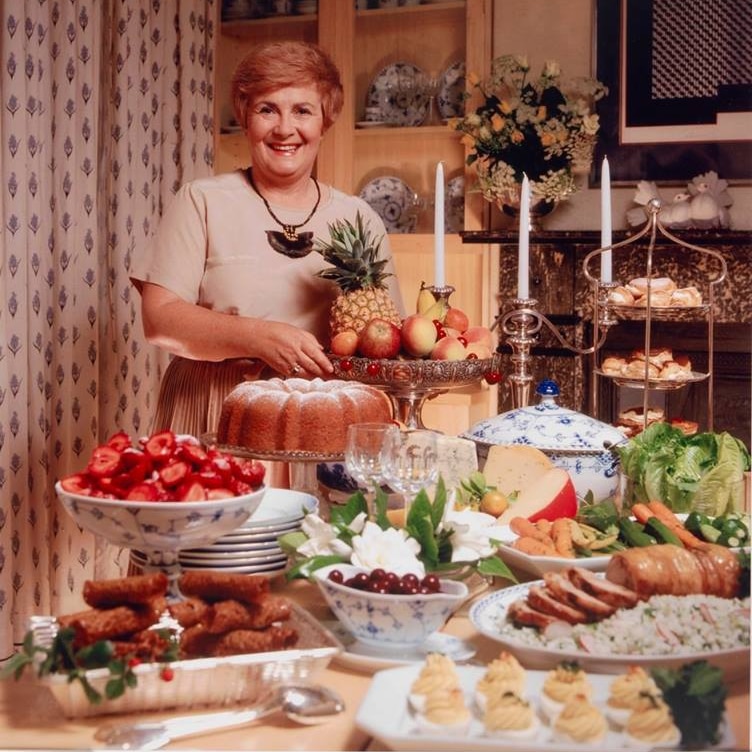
(439, 279)
(605, 220)
(523, 259)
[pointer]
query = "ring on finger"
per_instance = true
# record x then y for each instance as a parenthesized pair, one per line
(295, 370)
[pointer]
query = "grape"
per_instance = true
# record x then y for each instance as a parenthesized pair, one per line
(431, 583)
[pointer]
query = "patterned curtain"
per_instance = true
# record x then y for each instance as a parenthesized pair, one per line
(107, 108)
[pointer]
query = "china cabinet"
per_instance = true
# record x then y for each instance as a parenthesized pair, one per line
(432, 37)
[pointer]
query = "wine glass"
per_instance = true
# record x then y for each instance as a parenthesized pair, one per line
(364, 455)
(410, 461)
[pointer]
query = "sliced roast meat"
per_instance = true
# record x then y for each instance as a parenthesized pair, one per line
(524, 615)
(603, 589)
(541, 599)
(563, 589)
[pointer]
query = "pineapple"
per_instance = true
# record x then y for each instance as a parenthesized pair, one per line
(359, 273)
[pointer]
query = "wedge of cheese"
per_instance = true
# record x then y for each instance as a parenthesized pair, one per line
(512, 468)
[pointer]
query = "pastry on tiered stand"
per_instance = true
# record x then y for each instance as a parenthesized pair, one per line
(663, 294)
(660, 365)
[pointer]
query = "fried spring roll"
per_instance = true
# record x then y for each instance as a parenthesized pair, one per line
(252, 641)
(224, 616)
(222, 586)
(189, 612)
(94, 625)
(125, 590)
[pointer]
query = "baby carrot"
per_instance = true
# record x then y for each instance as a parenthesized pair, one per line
(668, 518)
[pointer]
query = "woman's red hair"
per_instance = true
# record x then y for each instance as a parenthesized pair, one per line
(276, 65)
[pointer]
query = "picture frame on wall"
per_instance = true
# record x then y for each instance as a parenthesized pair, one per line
(680, 90)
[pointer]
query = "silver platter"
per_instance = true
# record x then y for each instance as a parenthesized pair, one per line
(418, 374)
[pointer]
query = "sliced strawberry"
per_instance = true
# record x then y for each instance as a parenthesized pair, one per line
(221, 465)
(208, 478)
(192, 490)
(249, 471)
(146, 491)
(193, 454)
(118, 485)
(240, 488)
(160, 446)
(219, 493)
(120, 441)
(137, 465)
(104, 462)
(77, 484)
(174, 473)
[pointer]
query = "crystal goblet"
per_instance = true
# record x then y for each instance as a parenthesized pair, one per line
(410, 461)
(364, 455)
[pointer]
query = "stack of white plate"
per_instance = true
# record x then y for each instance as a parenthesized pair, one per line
(251, 548)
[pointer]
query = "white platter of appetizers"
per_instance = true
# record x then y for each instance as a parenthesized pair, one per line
(386, 713)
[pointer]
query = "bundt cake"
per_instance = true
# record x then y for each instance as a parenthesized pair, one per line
(298, 415)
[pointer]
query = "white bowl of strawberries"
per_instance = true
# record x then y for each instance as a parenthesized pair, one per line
(162, 493)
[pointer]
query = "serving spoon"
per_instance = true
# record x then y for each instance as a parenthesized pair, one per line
(302, 703)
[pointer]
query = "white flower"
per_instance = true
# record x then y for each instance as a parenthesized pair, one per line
(322, 537)
(389, 549)
(551, 69)
(472, 534)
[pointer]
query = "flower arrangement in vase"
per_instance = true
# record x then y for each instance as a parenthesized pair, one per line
(541, 127)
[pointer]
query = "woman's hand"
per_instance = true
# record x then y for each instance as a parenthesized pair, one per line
(192, 331)
(289, 350)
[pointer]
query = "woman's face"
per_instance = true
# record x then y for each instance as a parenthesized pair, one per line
(284, 130)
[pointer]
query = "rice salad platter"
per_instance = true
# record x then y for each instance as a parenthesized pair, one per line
(662, 630)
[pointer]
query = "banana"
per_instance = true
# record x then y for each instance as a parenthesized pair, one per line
(425, 299)
(438, 311)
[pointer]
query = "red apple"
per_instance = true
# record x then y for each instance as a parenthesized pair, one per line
(344, 343)
(418, 335)
(549, 497)
(456, 319)
(480, 334)
(379, 339)
(448, 348)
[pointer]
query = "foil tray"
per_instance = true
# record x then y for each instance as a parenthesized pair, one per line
(199, 682)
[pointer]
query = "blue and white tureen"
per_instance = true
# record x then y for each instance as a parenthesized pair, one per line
(572, 440)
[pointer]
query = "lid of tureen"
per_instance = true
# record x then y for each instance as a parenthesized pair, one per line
(546, 425)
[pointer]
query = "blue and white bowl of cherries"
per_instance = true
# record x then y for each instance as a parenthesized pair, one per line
(386, 610)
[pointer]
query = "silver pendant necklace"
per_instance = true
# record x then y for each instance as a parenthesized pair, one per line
(289, 242)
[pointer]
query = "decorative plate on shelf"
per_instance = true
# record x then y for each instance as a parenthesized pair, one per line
(450, 100)
(399, 91)
(394, 201)
(454, 204)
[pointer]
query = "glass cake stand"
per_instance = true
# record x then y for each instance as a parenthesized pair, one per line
(409, 383)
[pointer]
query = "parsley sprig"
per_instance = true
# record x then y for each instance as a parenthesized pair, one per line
(60, 657)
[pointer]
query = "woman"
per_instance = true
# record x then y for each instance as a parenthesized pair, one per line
(229, 284)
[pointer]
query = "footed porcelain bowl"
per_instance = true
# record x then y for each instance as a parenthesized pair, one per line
(159, 527)
(388, 621)
(579, 444)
